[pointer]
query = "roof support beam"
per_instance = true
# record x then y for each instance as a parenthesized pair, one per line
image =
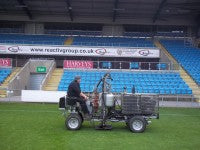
(25, 8)
(115, 10)
(70, 10)
(155, 17)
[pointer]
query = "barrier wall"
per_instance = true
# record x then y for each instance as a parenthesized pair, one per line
(35, 63)
(21, 79)
(42, 96)
(81, 51)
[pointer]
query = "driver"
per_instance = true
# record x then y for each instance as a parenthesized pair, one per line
(74, 90)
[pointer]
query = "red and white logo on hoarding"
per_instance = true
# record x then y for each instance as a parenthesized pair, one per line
(5, 62)
(78, 64)
(2, 48)
(101, 51)
(14, 49)
(145, 52)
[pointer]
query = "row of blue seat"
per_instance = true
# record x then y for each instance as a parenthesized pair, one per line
(186, 55)
(77, 40)
(143, 82)
(139, 90)
(151, 34)
(112, 41)
(4, 73)
(73, 32)
(32, 39)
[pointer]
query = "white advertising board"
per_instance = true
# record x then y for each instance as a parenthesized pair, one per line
(80, 51)
(42, 96)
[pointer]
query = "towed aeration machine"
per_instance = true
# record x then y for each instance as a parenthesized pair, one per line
(135, 110)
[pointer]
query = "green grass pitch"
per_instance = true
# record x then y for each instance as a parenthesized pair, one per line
(28, 126)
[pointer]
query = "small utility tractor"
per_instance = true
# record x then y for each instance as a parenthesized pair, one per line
(135, 110)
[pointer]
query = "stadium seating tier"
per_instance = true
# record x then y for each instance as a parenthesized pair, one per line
(144, 82)
(187, 56)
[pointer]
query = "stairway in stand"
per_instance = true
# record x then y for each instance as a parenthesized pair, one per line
(52, 84)
(4, 85)
(69, 41)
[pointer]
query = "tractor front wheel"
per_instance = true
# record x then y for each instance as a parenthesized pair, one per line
(73, 122)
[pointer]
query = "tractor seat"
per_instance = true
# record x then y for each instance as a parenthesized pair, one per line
(71, 101)
(73, 105)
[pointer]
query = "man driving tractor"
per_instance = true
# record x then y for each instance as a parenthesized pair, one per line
(74, 91)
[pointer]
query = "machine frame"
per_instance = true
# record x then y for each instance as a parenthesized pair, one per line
(105, 108)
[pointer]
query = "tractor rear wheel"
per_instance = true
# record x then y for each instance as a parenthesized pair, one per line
(137, 124)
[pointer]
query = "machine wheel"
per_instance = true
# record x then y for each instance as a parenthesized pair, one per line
(137, 124)
(73, 122)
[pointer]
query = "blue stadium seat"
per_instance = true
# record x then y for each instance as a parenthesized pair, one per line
(187, 55)
(144, 82)
(106, 65)
(32, 39)
(134, 65)
(4, 73)
(112, 41)
(161, 66)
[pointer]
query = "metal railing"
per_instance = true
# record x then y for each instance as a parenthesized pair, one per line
(177, 98)
(114, 44)
(73, 32)
(26, 63)
(29, 42)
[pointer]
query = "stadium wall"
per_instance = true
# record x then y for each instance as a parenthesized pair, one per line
(42, 96)
(113, 30)
(21, 80)
(34, 28)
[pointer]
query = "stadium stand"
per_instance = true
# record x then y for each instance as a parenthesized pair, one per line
(32, 39)
(187, 56)
(151, 34)
(11, 30)
(106, 65)
(76, 40)
(73, 32)
(134, 65)
(170, 34)
(138, 34)
(4, 73)
(113, 41)
(53, 83)
(144, 82)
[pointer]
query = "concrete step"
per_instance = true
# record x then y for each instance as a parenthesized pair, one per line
(3, 93)
(50, 89)
(54, 80)
(51, 86)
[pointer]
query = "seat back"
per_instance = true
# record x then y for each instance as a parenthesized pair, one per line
(71, 101)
